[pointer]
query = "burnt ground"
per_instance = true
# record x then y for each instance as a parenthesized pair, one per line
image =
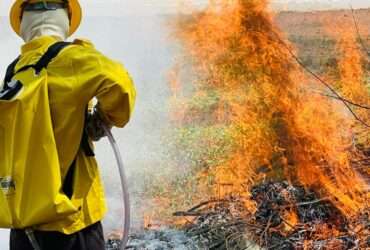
(287, 218)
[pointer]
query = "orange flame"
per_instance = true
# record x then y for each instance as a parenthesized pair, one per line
(279, 129)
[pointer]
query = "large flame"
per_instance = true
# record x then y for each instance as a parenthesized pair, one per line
(277, 126)
(351, 75)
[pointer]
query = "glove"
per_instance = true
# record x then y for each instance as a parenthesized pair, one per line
(95, 125)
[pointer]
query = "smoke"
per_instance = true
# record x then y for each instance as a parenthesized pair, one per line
(142, 46)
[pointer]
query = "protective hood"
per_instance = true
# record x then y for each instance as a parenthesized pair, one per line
(44, 23)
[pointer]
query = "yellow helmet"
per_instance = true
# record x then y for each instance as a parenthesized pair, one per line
(17, 10)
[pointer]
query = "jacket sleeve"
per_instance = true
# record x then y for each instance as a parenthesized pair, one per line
(115, 92)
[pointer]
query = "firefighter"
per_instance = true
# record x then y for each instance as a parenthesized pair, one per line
(77, 75)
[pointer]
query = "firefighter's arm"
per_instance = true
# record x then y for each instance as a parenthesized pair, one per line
(115, 93)
(106, 80)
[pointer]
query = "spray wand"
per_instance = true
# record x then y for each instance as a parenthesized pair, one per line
(126, 196)
(100, 128)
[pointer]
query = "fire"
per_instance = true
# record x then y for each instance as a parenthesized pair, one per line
(351, 75)
(351, 57)
(276, 126)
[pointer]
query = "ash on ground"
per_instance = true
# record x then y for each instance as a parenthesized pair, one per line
(163, 239)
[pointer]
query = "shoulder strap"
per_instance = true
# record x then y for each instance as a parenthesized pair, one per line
(50, 54)
(44, 61)
(89, 152)
(85, 143)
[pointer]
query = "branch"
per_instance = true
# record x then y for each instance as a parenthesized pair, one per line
(347, 101)
(317, 77)
(358, 32)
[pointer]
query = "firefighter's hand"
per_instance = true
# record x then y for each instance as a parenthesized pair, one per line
(95, 125)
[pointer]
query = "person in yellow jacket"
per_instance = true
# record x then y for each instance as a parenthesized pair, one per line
(77, 75)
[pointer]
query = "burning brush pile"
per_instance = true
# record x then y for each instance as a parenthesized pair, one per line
(287, 217)
(296, 218)
(284, 151)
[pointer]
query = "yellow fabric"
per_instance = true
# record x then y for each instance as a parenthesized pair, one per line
(75, 13)
(77, 75)
(26, 169)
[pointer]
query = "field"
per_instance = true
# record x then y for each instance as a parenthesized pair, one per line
(314, 33)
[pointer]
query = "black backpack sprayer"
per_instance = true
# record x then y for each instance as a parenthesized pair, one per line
(126, 196)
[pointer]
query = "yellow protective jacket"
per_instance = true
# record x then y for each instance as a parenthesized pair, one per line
(77, 75)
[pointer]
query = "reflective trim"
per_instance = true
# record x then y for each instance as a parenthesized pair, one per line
(11, 90)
